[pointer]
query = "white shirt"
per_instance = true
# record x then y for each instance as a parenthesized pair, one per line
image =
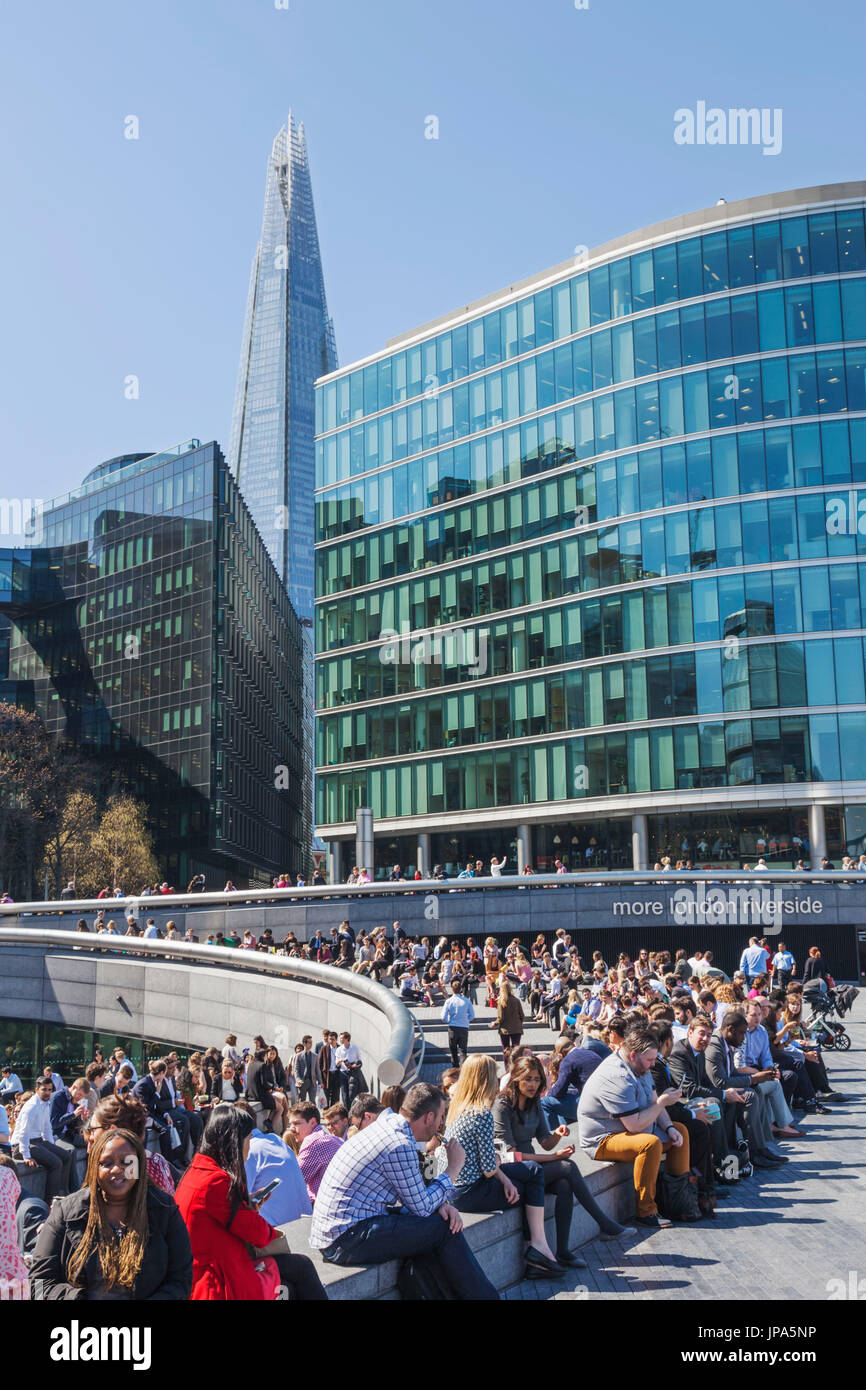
(34, 1122)
(151, 932)
(495, 869)
(347, 1054)
(10, 1085)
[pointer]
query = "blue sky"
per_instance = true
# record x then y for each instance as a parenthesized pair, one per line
(131, 257)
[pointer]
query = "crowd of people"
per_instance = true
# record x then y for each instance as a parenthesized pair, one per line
(174, 1184)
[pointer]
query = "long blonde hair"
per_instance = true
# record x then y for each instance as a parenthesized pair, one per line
(505, 993)
(476, 1089)
(120, 1257)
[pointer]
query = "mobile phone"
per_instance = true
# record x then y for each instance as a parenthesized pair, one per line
(266, 1191)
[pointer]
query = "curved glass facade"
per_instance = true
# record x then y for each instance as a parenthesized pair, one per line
(601, 543)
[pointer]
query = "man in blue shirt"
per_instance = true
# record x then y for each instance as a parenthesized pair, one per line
(458, 1013)
(754, 1059)
(754, 960)
(784, 965)
(270, 1158)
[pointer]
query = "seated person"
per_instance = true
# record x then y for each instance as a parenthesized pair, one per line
(577, 1066)
(316, 1147)
(269, 1157)
(354, 1221)
(620, 1118)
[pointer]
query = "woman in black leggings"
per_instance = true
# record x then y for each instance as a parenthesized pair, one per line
(519, 1120)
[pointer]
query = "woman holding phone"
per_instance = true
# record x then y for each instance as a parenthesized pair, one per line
(519, 1122)
(223, 1221)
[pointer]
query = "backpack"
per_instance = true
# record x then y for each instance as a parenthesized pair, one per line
(422, 1279)
(677, 1196)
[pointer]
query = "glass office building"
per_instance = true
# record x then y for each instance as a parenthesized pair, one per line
(150, 627)
(589, 561)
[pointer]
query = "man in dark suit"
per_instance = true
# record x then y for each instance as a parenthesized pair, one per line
(258, 1085)
(721, 1071)
(306, 1070)
(69, 1109)
(688, 1067)
(152, 1091)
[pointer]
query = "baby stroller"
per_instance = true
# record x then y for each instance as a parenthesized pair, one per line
(823, 1028)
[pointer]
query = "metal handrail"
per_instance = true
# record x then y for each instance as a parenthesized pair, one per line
(592, 878)
(391, 1067)
(422, 1037)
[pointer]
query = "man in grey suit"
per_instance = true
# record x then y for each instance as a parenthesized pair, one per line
(752, 1116)
(306, 1072)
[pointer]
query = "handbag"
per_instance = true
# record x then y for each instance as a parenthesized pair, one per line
(173, 1137)
(278, 1246)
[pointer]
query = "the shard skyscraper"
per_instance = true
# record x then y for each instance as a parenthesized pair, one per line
(288, 342)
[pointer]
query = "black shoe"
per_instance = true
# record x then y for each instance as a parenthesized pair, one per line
(777, 1158)
(822, 1109)
(536, 1272)
(759, 1161)
(835, 1096)
(570, 1260)
(655, 1222)
(538, 1261)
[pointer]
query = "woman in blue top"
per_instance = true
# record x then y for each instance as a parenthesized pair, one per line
(483, 1184)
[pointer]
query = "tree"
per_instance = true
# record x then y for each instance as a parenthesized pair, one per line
(121, 851)
(31, 785)
(68, 850)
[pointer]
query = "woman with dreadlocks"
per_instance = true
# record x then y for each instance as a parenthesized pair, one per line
(118, 1237)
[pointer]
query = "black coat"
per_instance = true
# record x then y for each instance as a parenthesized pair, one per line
(689, 1070)
(157, 1102)
(215, 1087)
(166, 1271)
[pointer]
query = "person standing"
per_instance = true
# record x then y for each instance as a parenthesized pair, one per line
(348, 1059)
(306, 1072)
(458, 1013)
(784, 967)
(754, 961)
(509, 1019)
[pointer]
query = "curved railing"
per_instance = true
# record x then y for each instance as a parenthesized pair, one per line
(392, 1065)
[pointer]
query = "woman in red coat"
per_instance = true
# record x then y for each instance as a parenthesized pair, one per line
(222, 1222)
(215, 1205)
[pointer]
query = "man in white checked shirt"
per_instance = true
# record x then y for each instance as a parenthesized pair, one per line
(356, 1220)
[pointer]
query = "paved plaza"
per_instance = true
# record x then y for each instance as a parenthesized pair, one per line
(787, 1234)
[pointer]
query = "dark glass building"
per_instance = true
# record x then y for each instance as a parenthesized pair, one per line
(151, 627)
(591, 557)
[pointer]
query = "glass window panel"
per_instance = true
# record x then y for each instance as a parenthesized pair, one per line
(665, 273)
(822, 244)
(714, 253)
(602, 369)
(642, 289)
(493, 338)
(645, 355)
(689, 268)
(693, 336)
(744, 324)
(620, 289)
(599, 294)
(718, 328)
(771, 320)
(741, 256)
(768, 252)
(824, 741)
